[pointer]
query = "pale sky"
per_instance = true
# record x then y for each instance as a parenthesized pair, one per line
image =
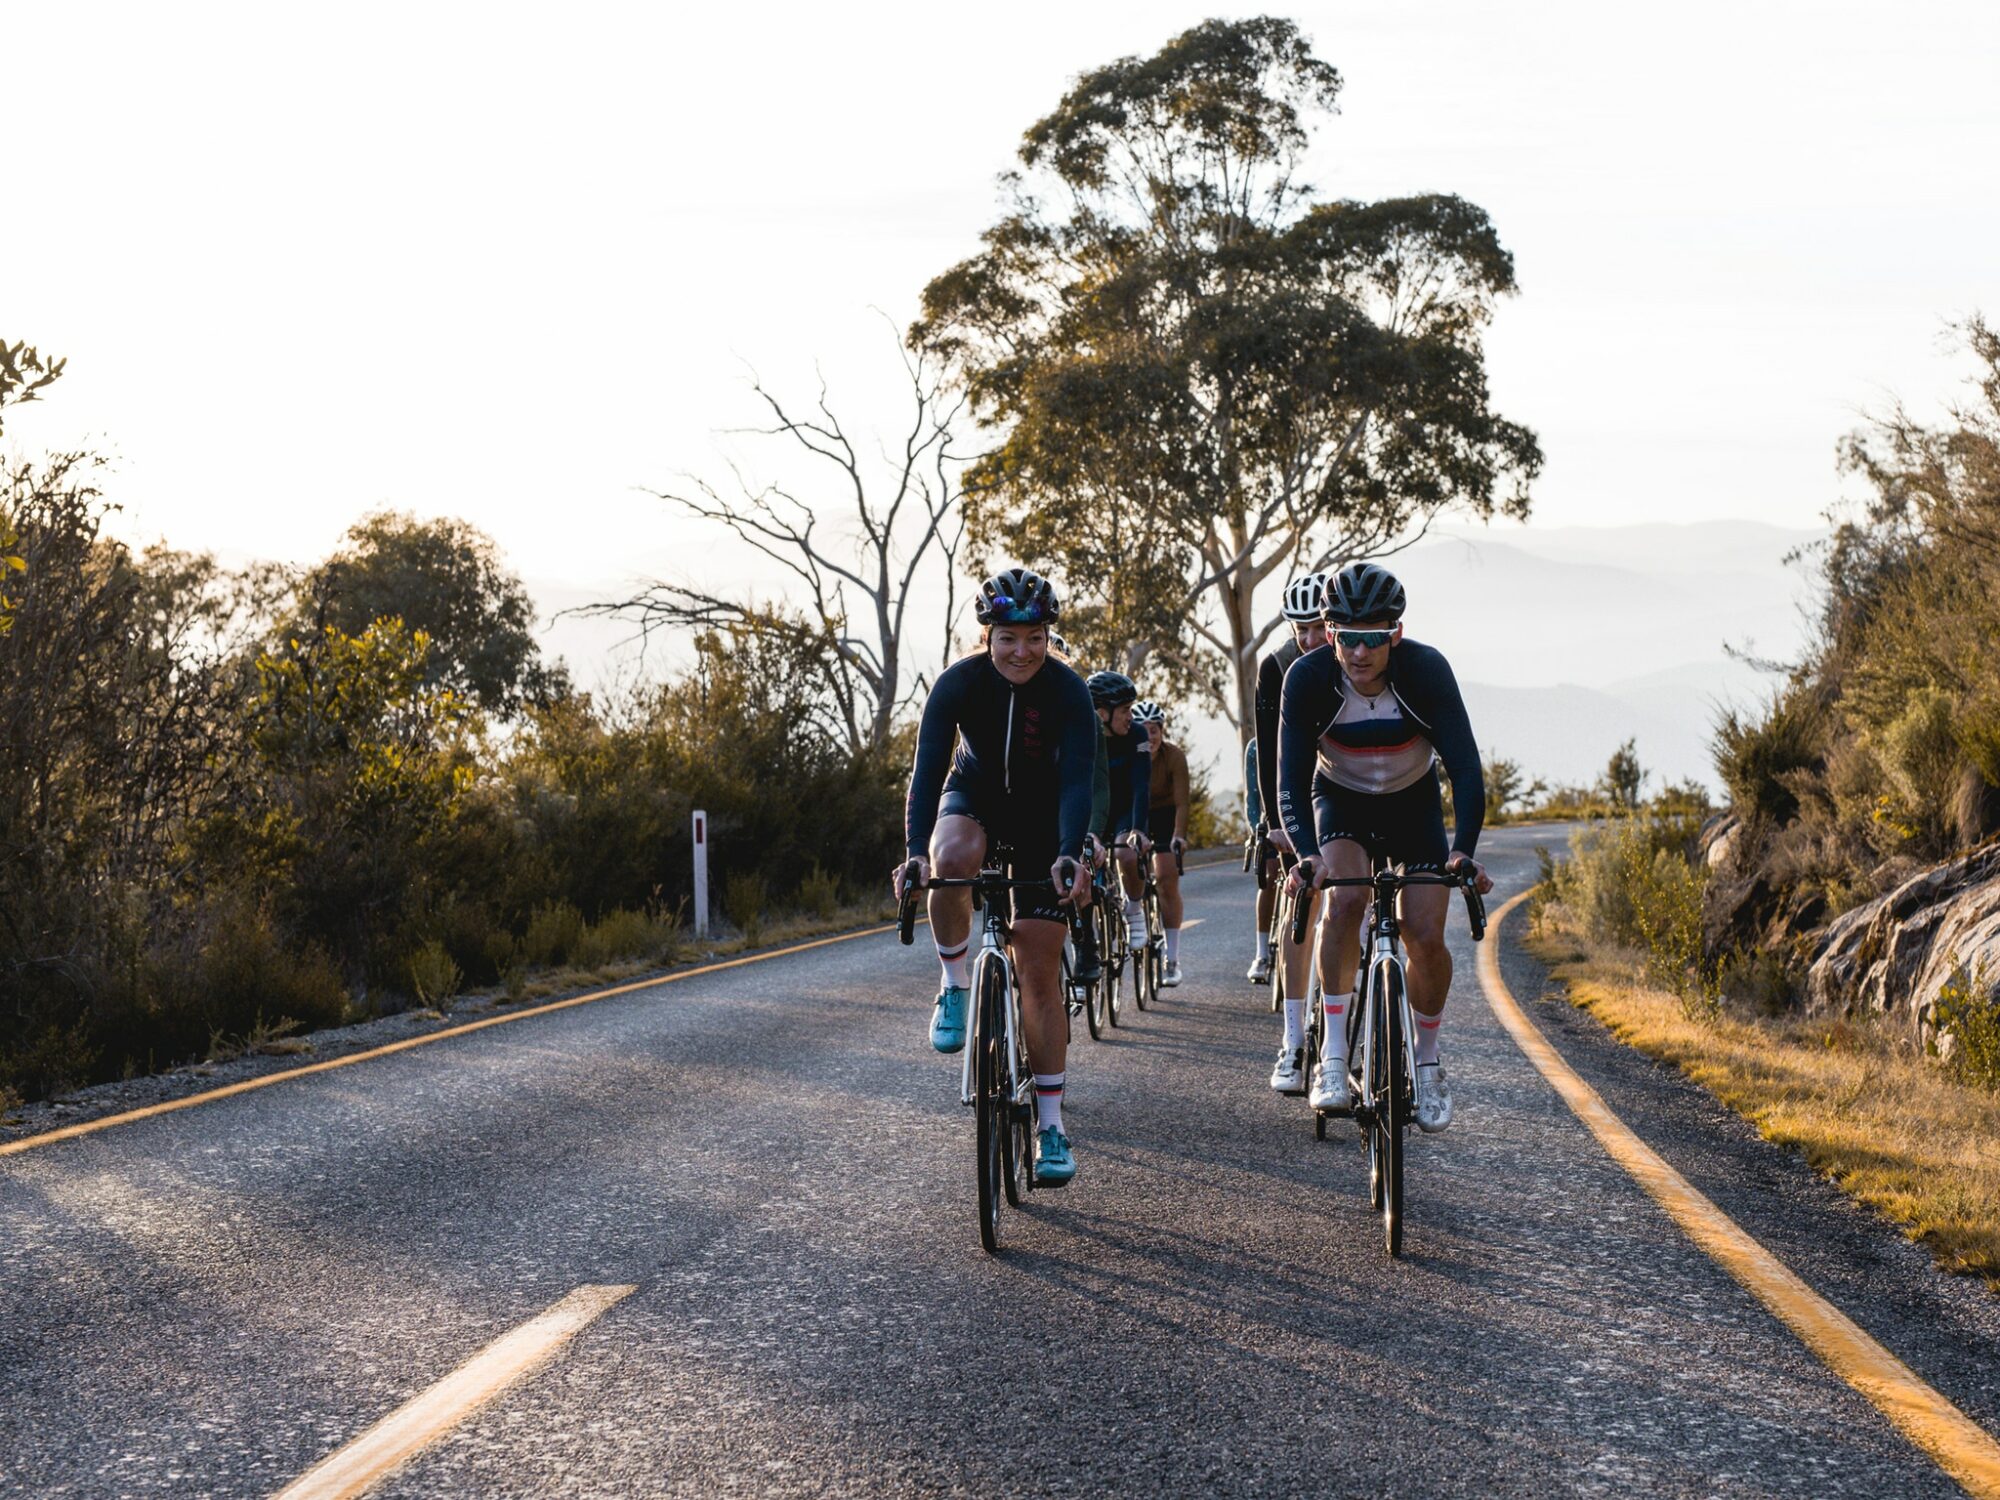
(509, 262)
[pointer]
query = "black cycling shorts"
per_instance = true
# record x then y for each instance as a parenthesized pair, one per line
(1160, 825)
(1034, 834)
(1400, 828)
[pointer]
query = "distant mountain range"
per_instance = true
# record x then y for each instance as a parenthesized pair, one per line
(1566, 640)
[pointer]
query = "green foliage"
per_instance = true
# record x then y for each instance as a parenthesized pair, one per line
(435, 976)
(443, 579)
(1919, 752)
(819, 892)
(1968, 1010)
(1212, 821)
(554, 935)
(1631, 882)
(212, 829)
(1196, 374)
(1623, 777)
(25, 373)
(744, 901)
(1759, 759)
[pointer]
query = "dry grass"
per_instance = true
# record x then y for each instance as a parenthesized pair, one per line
(1899, 1132)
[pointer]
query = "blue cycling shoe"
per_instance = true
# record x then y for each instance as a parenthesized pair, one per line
(1054, 1163)
(948, 1020)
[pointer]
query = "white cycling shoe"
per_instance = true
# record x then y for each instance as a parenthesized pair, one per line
(1331, 1092)
(1433, 1099)
(1260, 969)
(1289, 1076)
(1172, 974)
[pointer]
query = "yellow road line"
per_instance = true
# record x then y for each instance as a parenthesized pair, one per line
(1962, 1448)
(209, 1096)
(422, 1420)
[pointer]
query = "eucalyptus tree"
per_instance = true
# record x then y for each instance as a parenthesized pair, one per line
(1173, 338)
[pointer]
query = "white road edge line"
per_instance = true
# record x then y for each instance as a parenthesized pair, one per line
(422, 1420)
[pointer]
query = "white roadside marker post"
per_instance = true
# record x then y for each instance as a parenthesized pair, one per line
(700, 874)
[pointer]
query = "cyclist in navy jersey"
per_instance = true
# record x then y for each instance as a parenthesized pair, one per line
(1005, 753)
(1128, 751)
(1305, 598)
(1362, 727)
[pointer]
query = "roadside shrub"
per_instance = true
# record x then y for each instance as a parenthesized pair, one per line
(554, 931)
(1969, 1012)
(819, 893)
(623, 934)
(744, 898)
(434, 975)
(1632, 884)
(1919, 749)
(1757, 756)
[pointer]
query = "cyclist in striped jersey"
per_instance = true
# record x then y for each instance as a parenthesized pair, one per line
(1361, 730)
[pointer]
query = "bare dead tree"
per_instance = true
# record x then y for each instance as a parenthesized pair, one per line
(856, 550)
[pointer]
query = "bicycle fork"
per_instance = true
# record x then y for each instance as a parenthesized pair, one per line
(990, 944)
(1371, 1087)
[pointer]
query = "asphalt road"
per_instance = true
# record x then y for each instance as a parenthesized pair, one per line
(211, 1301)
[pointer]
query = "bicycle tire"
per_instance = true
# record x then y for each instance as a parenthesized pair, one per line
(1280, 923)
(1377, 1138)
(990, 1124)
(1397, 1096)
(1113, 956)
(1018, 1159)
(1093, 1004)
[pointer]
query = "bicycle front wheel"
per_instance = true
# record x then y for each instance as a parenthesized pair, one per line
(1111, 950)
(1395, 1107)
(989, 1101)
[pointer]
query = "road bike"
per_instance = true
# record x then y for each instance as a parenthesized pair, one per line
(1150, 960)
(1381, 1036)
(1114, 942)
(1094, 1000)
(1258, 852)
(997, 1081)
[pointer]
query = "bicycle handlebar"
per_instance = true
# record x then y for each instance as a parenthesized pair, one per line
(906, 917)
(1475, 908)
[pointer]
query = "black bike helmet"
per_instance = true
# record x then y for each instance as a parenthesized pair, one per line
(1148, 712)
(1058, 645)
(1111, 689)
(1305, 597)
(1016, 596)
(1363, 592)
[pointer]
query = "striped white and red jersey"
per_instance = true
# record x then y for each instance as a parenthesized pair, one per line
(1373, 745)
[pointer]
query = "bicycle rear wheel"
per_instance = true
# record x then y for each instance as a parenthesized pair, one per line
(989, 1068)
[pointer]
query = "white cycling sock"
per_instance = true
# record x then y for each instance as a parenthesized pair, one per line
(957, 964)
(1264, 946)
(1048, 1100)
(1135, 918)
(1427, 1039)
(1295, 1023)
(1333, 1045)
(1173, 945)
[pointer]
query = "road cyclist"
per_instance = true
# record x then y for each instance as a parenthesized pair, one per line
(1362, 728)
(1006, 747)
(1303, 609)
(1166, 830)
(1129, 757)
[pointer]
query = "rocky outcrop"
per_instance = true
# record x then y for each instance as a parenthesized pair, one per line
(1894, 954)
